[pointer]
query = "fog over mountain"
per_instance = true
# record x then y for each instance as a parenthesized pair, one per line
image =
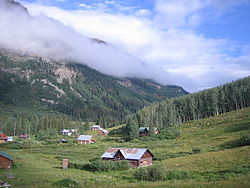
(44, 36)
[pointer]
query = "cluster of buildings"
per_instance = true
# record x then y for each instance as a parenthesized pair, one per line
(85, 139)
(136, 157)
(4, 138)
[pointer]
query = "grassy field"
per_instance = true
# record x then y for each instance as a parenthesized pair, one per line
(207, 154)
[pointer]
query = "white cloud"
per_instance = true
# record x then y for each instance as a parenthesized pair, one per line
(171, 51)
(143, 13)
(85, 6)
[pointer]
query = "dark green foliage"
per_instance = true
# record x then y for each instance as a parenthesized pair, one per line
(211, 102)
(66, 182)
(21, 145)
(107, 165)
(169, 133)
(77, 164)
(132, 129)
(243, 141)
(151, 173)
(178, 175)
(33, 83)
(196, 150)
(43, 125)
(86, 126)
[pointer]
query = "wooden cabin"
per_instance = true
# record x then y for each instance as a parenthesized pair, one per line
(85, 139)
(3, 138)
(103, 132)
(95, 128)
(144, 131)
(6, 160)
(137, 157)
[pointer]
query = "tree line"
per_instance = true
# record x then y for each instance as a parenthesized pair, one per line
(210, 102)
(33, 124)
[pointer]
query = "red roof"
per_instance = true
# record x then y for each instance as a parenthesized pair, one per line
(3, 135)
(24, 136)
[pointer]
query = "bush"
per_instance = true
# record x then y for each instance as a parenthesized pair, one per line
(196, 150)
(77, 164)
(178, 175)
(245, 140)
(152, 173)
(66, 183)
(169, 133)
(100, 165)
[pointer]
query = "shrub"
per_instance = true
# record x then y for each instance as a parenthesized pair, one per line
(245, 140)
(178, 175)
(169, 133)
(196, 150)
(77, 164)
(152, 173)
(66, 182)
(100, 165)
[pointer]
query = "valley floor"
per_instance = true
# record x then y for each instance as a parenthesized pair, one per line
(221, 159)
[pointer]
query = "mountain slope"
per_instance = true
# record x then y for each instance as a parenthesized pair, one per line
(210, 102)
(74, 89)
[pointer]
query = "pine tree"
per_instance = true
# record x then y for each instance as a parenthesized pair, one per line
(133, 129)
(86, 125)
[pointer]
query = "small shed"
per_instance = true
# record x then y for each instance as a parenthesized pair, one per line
(137, 157)
(95, 128)
(85, 139)
(144, 131)
(3, 138)
(6, 160)
(103, 132)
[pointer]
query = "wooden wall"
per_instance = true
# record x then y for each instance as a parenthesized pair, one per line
(5, 163)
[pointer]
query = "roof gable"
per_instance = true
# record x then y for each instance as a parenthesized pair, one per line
(96, 126)
(104, 130)
(128, 153)
(6, 155)
(85, 137)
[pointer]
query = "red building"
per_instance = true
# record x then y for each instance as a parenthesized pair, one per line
(3, 138)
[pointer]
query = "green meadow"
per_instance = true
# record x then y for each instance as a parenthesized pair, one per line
(212, 152)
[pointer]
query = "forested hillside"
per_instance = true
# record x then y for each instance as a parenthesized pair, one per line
(31, 86)
(210, 102)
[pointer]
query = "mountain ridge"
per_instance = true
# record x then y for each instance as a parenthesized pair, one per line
(75, 89)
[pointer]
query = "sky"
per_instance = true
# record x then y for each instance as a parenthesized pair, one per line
(196, 44)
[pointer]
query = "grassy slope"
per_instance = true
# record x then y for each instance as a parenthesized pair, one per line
(40, 167)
